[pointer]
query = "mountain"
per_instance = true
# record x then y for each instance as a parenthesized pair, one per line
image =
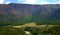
(16, 14)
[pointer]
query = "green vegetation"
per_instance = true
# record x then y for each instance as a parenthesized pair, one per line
(9, 30)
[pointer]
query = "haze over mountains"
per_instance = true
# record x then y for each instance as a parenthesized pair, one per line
(23, 13)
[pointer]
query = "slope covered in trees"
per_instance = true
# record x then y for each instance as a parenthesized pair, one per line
(15, 14)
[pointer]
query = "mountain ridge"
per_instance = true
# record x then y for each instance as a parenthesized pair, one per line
(24, 13)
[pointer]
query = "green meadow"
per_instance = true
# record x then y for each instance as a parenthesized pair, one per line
(34, 30)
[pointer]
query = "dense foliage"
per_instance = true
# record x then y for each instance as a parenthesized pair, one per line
(9, 30)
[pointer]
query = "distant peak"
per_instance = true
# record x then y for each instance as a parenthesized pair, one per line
(13, 3)
(18, 4)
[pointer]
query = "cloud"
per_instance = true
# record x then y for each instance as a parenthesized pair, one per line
(30, 1)
(47, 3)
(44, 3)
(7, 2)
(21, 0)
(41, 2)
(36, 2)
(58, 2)
(1, 1)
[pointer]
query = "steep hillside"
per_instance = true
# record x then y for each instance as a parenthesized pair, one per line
(16, 14)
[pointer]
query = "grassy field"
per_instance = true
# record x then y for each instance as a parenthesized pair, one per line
(34, 30)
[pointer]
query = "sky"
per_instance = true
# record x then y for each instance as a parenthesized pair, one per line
(30, 1)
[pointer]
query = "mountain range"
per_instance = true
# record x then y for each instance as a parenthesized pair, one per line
(14, 13)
